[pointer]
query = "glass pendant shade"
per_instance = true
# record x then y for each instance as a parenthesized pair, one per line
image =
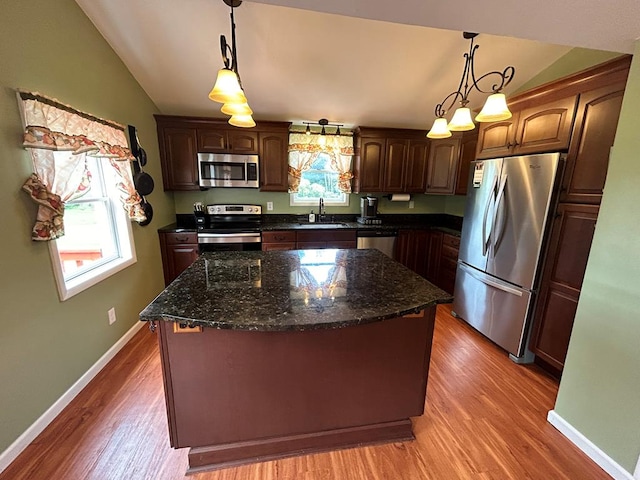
(245, 121)
(439, 129)
(236, 109)
(227, 88)
(495, 109)
(461, 120)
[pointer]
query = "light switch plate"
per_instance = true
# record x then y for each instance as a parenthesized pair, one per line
(112, 315)
(411, 204)
(269, 205)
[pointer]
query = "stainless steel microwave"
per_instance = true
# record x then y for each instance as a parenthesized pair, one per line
(228, 170)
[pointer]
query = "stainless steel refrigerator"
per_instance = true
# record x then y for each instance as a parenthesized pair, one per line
(503, 233)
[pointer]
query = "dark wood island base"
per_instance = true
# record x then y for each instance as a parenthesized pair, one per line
(238, 396)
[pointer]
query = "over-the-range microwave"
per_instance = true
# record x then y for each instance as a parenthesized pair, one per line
(228, 170)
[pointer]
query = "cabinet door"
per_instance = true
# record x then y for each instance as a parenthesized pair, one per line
(593, 135)
(274, 162)
(563, 272)
(241, 141)
(546, 128)
(496, 139)
(179, 157)
(433, 254)
(394, 165)
(176, 257)
(467, 154)
(417, 163)
(443, 165)
(371, 163)
(212, 140)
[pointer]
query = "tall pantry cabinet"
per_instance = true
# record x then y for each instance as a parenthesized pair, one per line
(600, 91)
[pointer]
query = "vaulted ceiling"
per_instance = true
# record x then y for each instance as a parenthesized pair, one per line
(358, 62)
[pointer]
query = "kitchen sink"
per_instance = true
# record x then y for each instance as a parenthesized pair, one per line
(322, 225)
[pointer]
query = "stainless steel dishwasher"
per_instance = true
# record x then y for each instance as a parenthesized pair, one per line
(383, 240)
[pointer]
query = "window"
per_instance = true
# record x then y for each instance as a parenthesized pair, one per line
(98, 241)
(320, 180)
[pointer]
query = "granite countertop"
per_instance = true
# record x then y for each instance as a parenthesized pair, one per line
(447, 223)
(292, 290)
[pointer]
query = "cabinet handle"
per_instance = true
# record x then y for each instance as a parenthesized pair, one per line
(182, 239)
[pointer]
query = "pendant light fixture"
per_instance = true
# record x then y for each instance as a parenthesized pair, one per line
(228, 87)
(495, 108)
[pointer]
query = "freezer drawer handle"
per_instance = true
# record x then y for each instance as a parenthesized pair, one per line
(488, 281)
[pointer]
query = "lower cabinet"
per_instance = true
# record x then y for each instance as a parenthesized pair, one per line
(432, 254)
(307, 239)
(448, 262)
(563, 272)
(279, 240)
(179, 250)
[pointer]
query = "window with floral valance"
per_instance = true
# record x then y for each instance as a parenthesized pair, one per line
(81, 169)
(328, 158)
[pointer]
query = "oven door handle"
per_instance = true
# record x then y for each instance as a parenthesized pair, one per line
(229, 238)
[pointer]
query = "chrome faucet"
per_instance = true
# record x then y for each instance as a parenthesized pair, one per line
(321, 210)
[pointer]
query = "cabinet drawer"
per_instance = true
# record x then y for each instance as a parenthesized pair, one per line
(450, 252)
(451, 240)
(326, 236)
(279, 236)
(175, 238)
(278, 246)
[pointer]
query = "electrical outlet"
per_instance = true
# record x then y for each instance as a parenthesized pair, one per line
(269, 206)
(411, 204)
(112, 315)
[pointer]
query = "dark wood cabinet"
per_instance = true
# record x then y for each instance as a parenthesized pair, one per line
(443, 165)
(434, 251)
(468, 145)
(323, 238)
(369, 165)
(395, 165)
(570, 243)
(178, 250)
(181, 138)
(448, 262)
(306, 239)
(591, 142)
(279, 240)
(542, 127)
(417, 163)
(178, 157)
(412, 250)
(390, 161)
(216, 140)
(274, 161)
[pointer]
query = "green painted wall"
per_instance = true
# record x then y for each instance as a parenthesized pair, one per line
(575, 60)
(600, 388)
(45, 344)
(422, 203)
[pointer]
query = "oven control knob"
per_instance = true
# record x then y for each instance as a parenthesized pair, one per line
(250, 210)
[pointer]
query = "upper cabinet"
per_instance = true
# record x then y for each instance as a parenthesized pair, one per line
(178, 154)
(212, 140)
(468, 146)
(443, 165)
(538, 128)
(181, 138)
(390, 160)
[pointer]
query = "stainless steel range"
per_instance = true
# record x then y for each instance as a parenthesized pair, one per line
(228, 227)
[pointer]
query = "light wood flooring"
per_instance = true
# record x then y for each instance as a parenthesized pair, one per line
(484, 418)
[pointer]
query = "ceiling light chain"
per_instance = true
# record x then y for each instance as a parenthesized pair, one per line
(494, 109)
(228, 87)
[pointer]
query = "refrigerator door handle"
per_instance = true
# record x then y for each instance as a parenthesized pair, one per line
(497, 229)
(485, 237)
(486, 279)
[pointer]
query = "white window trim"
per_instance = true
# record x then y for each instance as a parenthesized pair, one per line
(71, 287)
(312, 203)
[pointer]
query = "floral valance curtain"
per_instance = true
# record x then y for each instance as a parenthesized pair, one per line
(304, 149)
(51, 126)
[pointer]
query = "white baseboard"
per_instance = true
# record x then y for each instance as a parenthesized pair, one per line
(11, 453)
(590, 449)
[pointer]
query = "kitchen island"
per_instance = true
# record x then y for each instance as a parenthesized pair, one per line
(280, 353)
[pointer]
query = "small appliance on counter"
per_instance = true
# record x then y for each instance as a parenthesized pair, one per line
(369, 211)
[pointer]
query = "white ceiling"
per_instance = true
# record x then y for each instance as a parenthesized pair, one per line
(347, 65)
